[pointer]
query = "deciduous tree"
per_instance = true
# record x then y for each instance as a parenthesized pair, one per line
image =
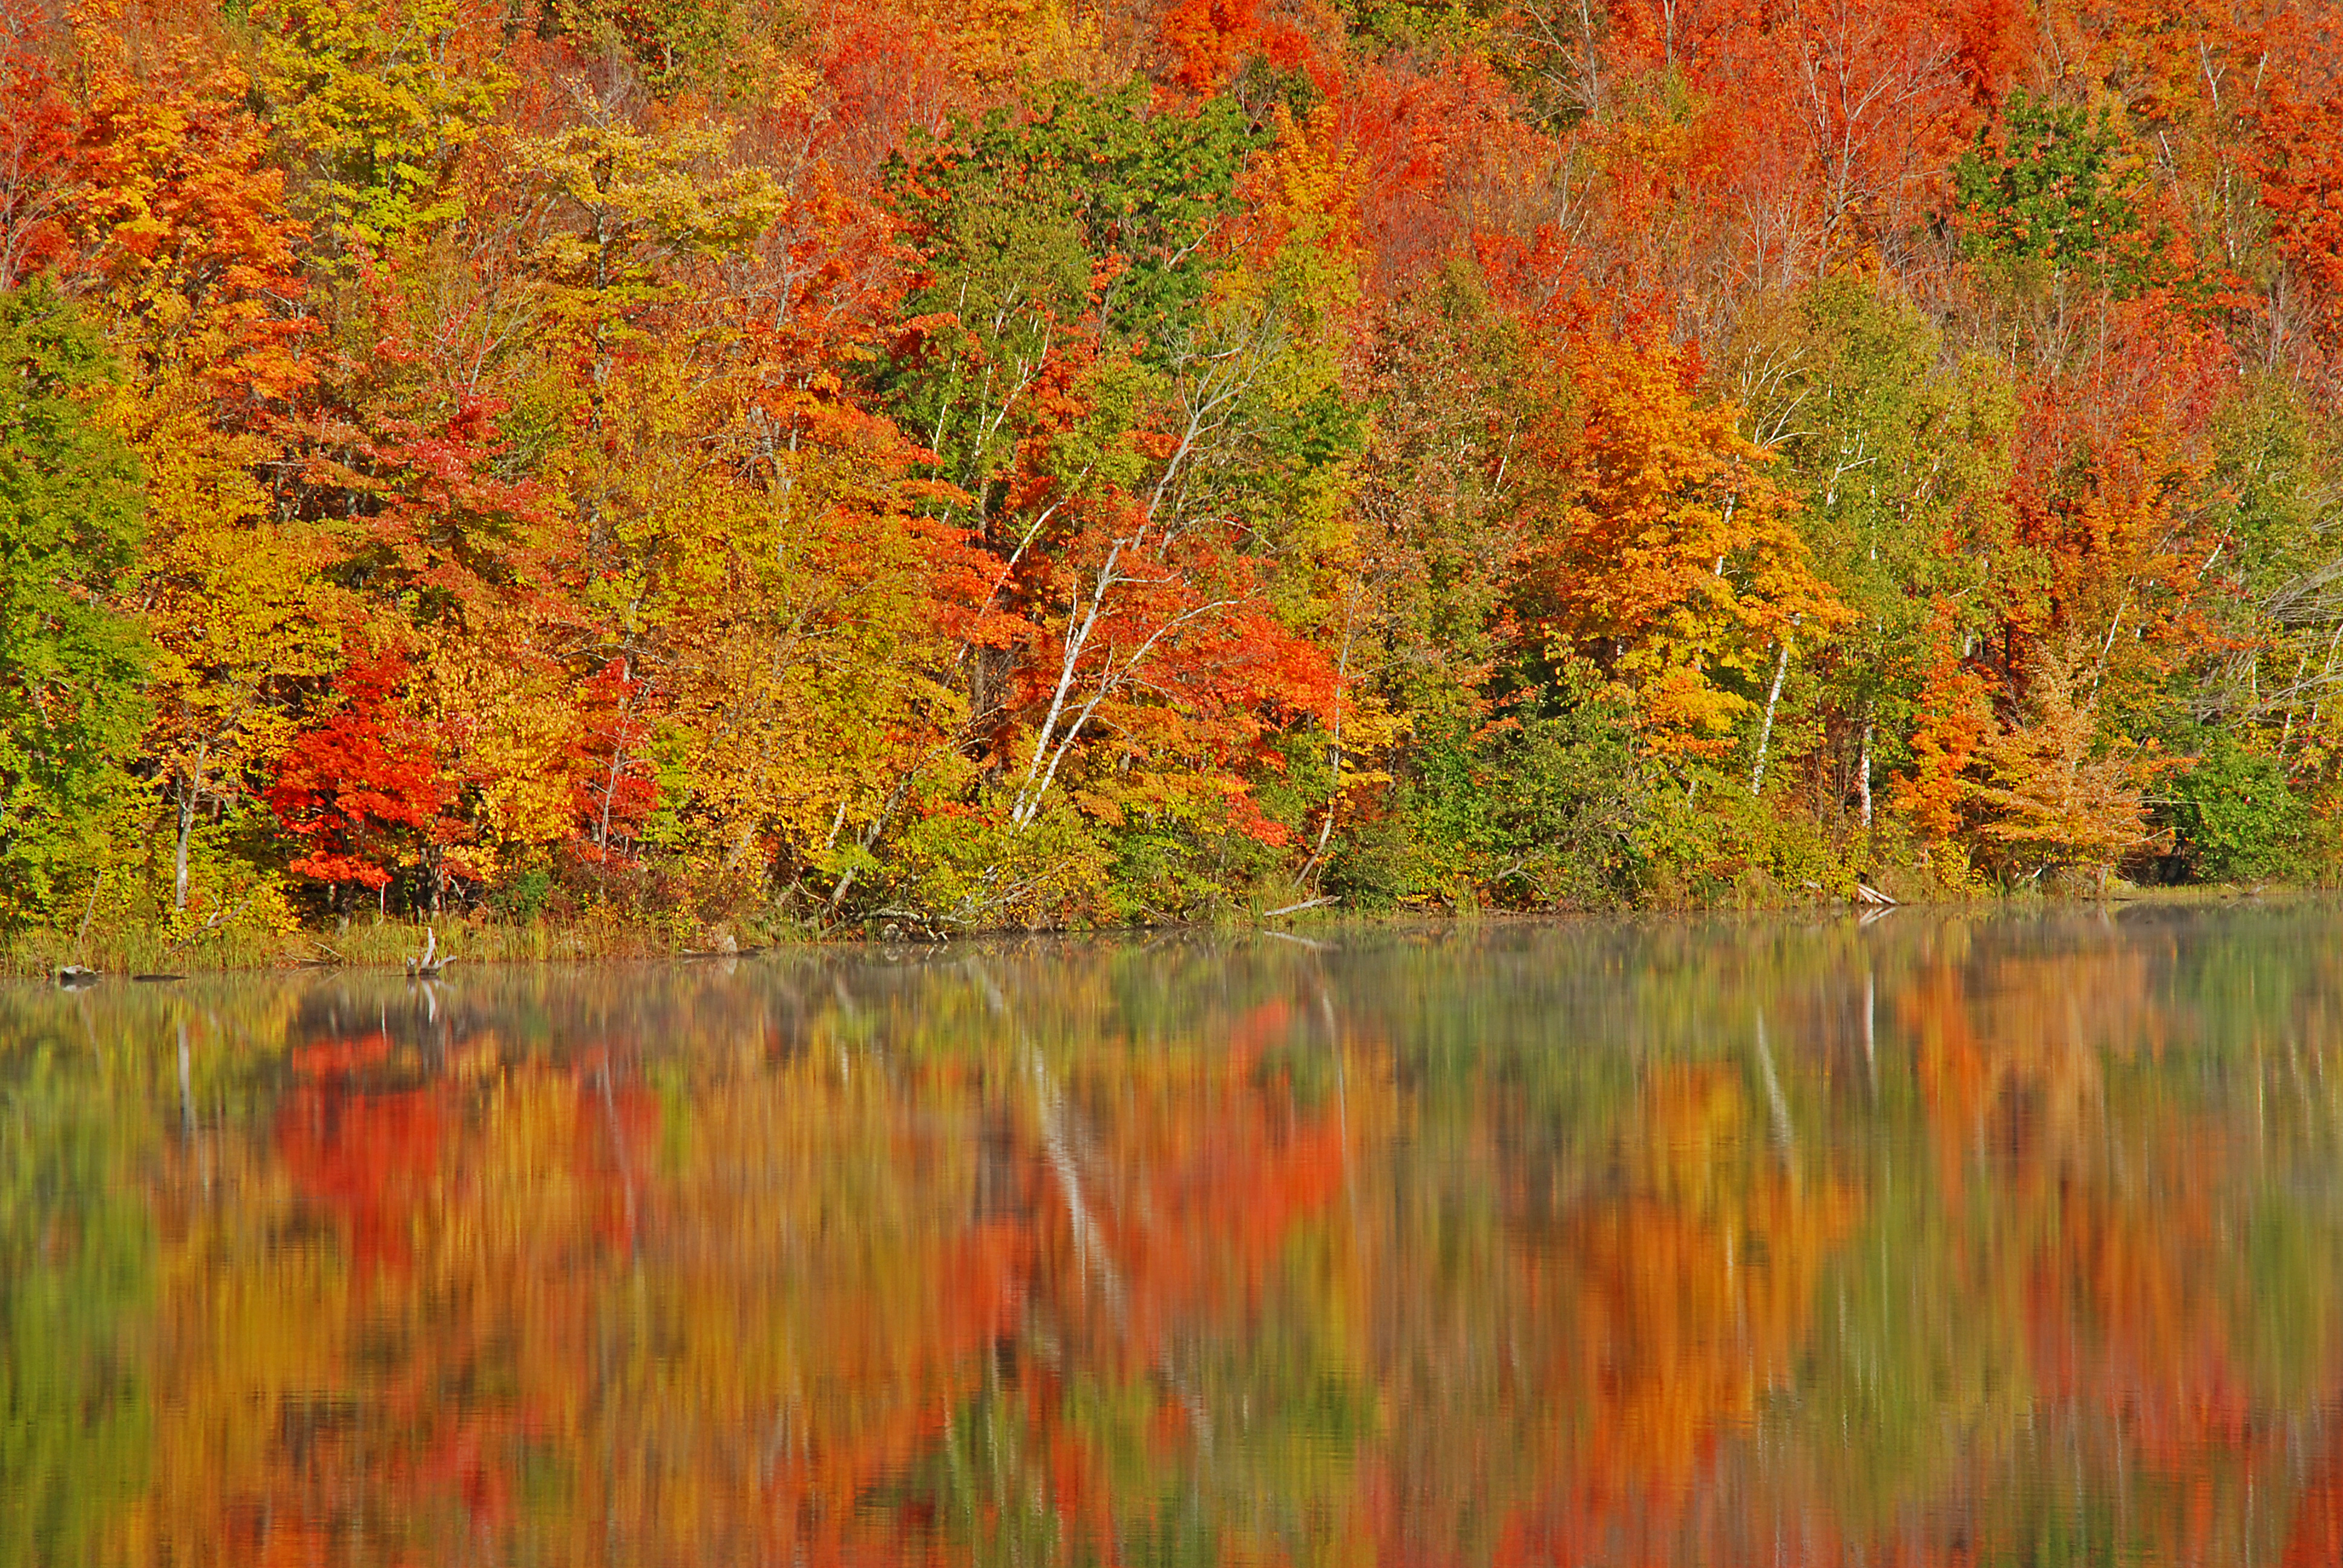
(72, 660)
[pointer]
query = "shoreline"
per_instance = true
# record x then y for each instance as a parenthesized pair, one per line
(145, 954)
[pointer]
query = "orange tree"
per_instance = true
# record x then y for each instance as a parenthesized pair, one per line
(1665, 556)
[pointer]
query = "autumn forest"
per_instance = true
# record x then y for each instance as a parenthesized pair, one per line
(768, 465)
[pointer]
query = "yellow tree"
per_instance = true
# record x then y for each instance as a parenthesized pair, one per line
(240, 611)
(796, 613)
(746, 532)
(183, 241)
(2053, 789)
(378, 103)
(1666, 556)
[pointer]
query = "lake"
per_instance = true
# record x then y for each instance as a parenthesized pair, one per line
(1942, 1238)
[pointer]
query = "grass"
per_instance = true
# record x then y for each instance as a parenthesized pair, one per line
(367, 941)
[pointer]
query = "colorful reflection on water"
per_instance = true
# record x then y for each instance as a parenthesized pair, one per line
(1936, 1240)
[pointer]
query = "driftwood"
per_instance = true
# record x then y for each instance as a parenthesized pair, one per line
(423, 966)
(157, 978)
(1874, 897)
(1297, 908)
(896, 925)
(74, 977)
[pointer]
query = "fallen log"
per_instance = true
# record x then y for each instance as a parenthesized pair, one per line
(1297, 908)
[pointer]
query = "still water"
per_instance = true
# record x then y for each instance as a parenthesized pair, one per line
(1938, 1238)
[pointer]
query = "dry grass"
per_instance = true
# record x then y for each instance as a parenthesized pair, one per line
(386, 943)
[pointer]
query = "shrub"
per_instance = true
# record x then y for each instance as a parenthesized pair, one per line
(2236, 818)
(973, 869)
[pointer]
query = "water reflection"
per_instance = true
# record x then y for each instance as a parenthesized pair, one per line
(1942, 1239)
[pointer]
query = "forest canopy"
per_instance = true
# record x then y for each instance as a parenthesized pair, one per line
(782, 464)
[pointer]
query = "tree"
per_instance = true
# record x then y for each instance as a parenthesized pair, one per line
(1139, 403)
(679, 46)
(2301, 168)
(1666, 557)
(1901, 450)
(2234, 816)
(71, 661)
(750, 536)
(363, 787)
(1048, 246)
(1879, 99)
(2056, 187)
(614, 785)
(183, 242)
(378, 102)
(2053, 789)
(182, 233)
(38, 178)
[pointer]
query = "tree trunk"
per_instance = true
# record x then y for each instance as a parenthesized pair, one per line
(1765, 731)
(1333, 755)
(191, 786)
(179, 860)
(1862, 779)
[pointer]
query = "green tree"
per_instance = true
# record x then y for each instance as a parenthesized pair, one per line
(70, 664)
(2234, 816)
(2054, 188)
(1895, 446)
(1048, 243)
(2271, 507)
(1537, 811)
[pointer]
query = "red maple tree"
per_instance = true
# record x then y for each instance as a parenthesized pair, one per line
(352, 788)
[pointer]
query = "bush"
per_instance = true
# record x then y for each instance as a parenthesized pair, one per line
(1535, 813)
(525, 895)
(2236, 818)
(971, 870)
(1567, 791)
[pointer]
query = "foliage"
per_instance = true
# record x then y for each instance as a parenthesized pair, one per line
(2048, 792)
(2234, 816)
(1540, 811)
(379, 104)
(2056, 186)
(347, 788)
(1266, 453)
(1673, 568)
(70, 657)
(962, 869)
